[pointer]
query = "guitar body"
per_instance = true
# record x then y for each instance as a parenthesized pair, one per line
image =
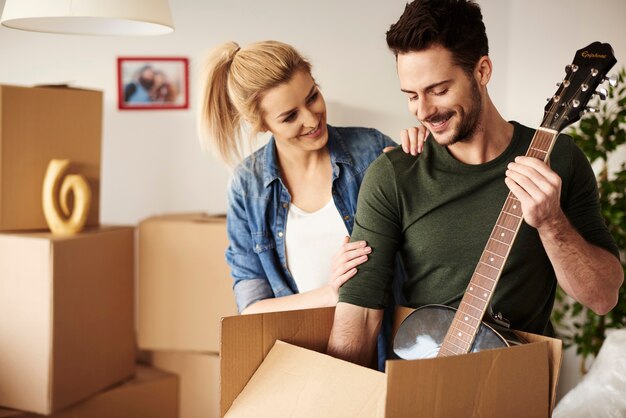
(422, 332)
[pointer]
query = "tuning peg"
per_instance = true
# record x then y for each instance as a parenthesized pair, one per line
(601, 92)
(572, 67)
(591, 110)
(612, 79)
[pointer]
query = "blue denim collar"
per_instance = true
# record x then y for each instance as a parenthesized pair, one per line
(336, 146)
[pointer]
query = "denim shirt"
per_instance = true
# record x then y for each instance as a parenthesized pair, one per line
(258, 202)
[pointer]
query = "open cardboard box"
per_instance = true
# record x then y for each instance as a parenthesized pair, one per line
(294, 380)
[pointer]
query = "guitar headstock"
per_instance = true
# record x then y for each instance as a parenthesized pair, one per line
(583, 76)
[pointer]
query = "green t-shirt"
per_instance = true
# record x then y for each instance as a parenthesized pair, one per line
(438, 213)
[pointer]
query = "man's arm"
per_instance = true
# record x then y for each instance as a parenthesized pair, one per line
(588, 273)
(354, 333)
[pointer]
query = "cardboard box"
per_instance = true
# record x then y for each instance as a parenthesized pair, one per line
(38, 124)
(184, 282)
(515, 381)
(199, 381)
(66, 316)
(151, 393)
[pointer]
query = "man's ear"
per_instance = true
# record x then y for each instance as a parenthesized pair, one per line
(482, 71)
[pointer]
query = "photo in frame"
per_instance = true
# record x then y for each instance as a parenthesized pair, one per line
(153, 83)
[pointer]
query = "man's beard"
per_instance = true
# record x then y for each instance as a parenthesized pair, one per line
(146, 83)
(471, 120)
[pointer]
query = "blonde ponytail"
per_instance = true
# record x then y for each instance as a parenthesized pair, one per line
(234, 83)
(219, 121)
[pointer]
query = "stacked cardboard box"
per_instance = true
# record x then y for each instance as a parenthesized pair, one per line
(150, 394)
(184, 290)
(66, 302)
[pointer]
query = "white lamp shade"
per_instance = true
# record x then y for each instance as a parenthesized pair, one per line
(89, 17)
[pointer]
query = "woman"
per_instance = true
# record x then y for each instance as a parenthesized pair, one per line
(291, 204)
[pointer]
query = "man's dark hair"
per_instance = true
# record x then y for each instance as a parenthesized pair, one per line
(457, 25)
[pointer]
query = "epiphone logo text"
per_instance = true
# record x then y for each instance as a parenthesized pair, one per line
(587, 54)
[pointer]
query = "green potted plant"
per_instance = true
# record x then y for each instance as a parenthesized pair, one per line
(599, 134)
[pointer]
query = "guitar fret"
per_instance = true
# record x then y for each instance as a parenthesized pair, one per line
(498, 248)
(503, 242)
(461, 343)
(487, 271)
(508, 221)
(512, 214)
(492, 259)
(442, 352)
(463, 312)
(481, 262)
(466, 327)
(540, 155)
(451, 344)
(513, 206)
(471, 288)
(484, 300)
(499, 227)
(476, 312)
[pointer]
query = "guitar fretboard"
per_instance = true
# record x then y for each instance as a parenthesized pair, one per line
(478, 294)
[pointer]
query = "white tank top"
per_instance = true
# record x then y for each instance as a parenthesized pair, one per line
(312, 239)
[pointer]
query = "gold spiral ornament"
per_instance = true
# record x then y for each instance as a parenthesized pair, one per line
(56, 193)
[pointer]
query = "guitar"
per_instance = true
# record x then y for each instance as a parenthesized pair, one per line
(438, 330)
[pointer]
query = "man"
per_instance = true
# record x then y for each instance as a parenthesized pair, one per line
(138, 91)
(437, 211)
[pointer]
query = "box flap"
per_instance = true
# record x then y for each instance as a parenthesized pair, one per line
(246, 340)
(315, 384)
(487, 383)
(555, 354)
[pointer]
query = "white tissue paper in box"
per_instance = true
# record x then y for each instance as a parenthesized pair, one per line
(602, 392)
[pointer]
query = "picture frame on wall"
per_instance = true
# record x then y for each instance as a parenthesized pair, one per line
(152, 83)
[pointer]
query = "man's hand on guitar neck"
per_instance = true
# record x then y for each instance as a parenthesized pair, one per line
(589, 274)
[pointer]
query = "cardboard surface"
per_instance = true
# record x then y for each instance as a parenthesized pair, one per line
(510, 382)
(246, 340)
(151, 394)
(66, 316)
(199, 381)
(184, 282)
(315, 384)
(490, 382)
(38, 124)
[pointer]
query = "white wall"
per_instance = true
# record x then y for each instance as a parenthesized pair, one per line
(151, 159)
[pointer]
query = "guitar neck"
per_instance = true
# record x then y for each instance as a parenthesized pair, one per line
(479, 292)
